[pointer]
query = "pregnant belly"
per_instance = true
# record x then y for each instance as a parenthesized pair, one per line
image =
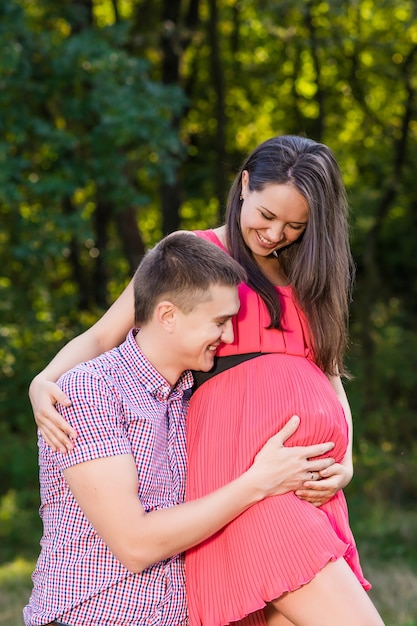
(234, 413)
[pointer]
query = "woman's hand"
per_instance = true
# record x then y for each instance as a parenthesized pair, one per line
(326, 484)
(57, 433)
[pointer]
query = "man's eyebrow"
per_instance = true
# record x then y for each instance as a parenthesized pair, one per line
(226, 316)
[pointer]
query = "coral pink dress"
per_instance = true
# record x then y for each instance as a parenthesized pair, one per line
(281, 543)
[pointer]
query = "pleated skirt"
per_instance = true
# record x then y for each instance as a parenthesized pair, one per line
(281, 543)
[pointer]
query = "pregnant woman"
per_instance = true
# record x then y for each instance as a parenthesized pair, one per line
(282, 543)
(291, 559)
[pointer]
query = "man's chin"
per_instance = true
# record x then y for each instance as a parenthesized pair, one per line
(208, 365)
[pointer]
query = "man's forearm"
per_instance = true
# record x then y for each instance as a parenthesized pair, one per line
(106, 490)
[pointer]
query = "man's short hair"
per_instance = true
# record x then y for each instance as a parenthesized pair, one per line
(182, 268)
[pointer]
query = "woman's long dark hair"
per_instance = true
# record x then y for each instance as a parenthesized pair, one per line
(319, 264)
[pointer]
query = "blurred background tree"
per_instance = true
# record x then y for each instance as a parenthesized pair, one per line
(122, 120)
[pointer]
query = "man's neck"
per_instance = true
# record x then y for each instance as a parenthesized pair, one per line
(155, 350)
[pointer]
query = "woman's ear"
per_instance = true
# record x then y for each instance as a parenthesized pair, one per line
(245, 182)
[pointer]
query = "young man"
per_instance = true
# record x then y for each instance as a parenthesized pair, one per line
(115, 521)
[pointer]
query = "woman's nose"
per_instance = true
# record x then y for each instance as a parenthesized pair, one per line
(276, 233)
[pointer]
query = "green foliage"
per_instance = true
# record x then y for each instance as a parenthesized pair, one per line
(84, 134)
(20, 527)
(90, 127)
(15, 589)
(384, 473)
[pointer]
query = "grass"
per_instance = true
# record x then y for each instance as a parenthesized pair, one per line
(15, 589)
(394, 593)
(387, 542)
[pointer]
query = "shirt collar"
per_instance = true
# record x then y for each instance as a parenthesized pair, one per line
(149, 377)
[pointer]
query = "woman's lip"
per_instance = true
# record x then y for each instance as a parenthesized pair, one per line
(264, 243)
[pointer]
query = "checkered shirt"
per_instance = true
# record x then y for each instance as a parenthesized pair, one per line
(120, 405)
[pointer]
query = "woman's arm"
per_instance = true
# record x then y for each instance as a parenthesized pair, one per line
(338, 475)
(341, 394)
(109, 331)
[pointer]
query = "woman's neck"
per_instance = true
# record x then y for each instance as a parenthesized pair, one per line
(271, 268)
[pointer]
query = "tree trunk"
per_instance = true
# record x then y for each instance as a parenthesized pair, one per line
(129, 233)
(219, 90)
(171, 51)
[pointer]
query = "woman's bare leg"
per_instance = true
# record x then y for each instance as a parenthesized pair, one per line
(334, 596)
(267, 617)
(275, 618)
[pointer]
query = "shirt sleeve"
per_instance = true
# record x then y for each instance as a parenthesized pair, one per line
(96, 414)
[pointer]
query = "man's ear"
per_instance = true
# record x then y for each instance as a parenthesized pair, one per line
(165, 314)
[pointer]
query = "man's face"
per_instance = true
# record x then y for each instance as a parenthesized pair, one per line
(200, 332)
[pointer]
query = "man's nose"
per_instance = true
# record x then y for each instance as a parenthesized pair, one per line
(228, 334)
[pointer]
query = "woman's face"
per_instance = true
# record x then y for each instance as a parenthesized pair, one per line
(272, 218)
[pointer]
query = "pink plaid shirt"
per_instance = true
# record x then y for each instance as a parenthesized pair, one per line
(120, 405)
